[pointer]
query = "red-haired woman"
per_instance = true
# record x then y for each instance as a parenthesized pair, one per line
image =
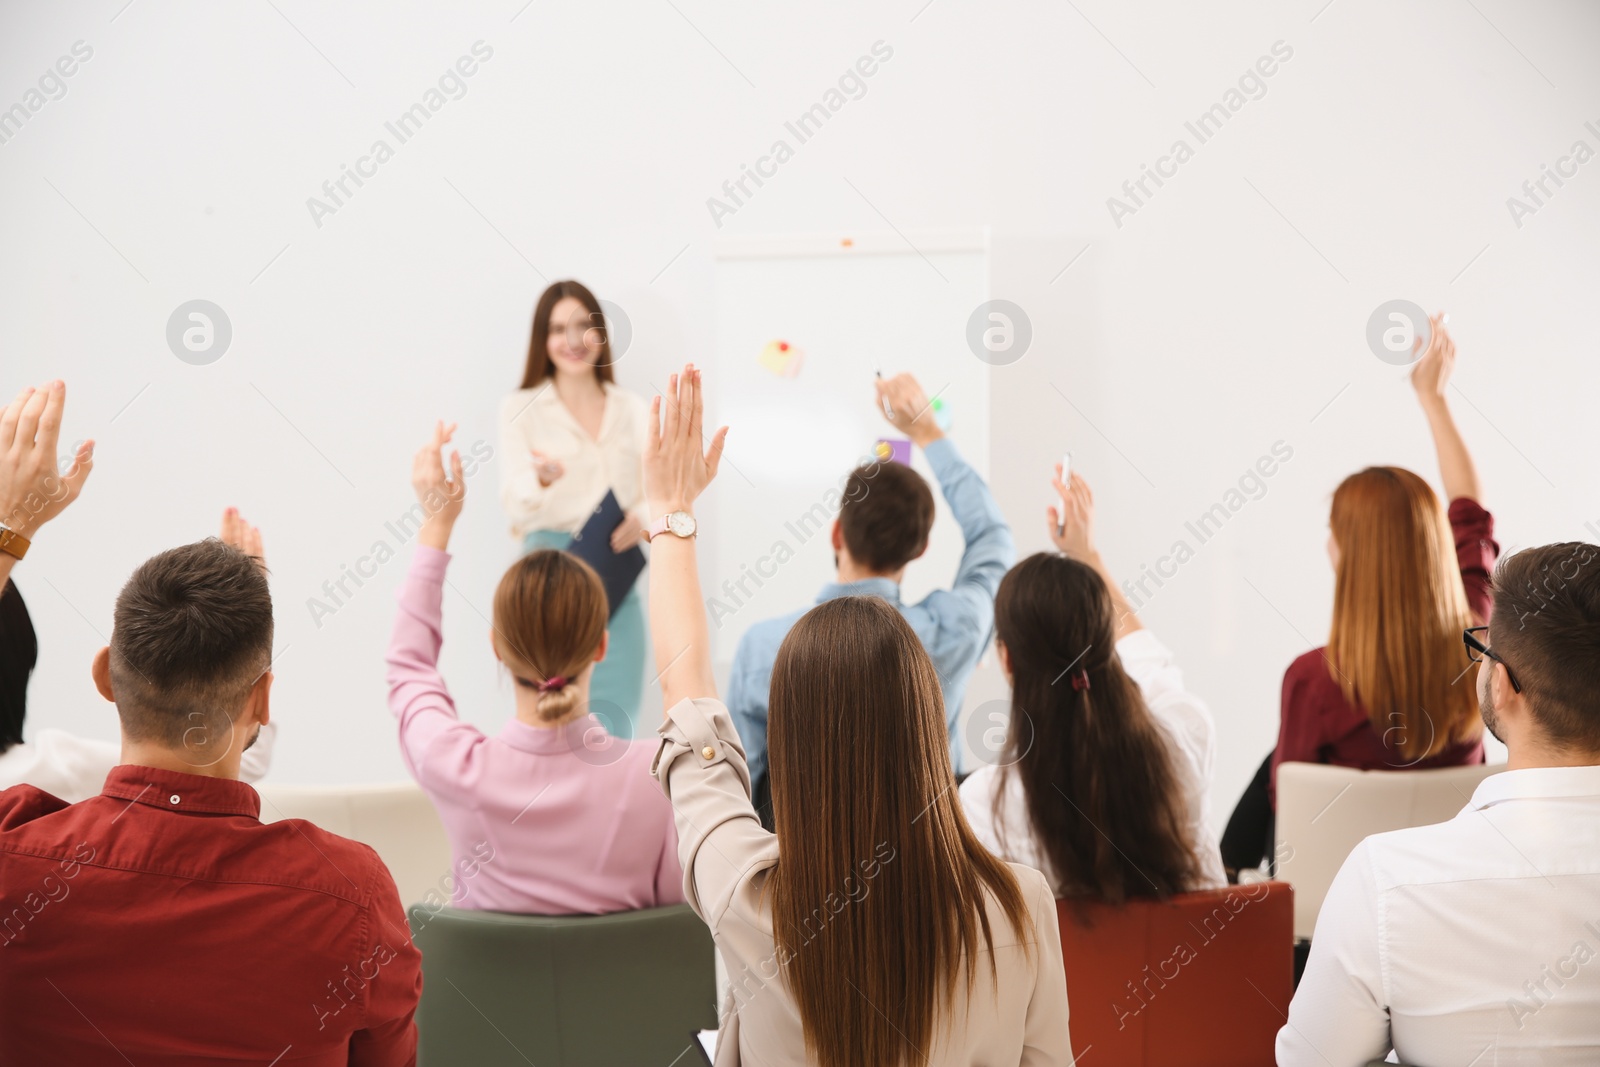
(1391, 690)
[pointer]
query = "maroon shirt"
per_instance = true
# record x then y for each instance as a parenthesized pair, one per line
(163, 922)
(1318, 725)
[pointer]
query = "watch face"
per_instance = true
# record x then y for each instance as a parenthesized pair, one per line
(681, 523)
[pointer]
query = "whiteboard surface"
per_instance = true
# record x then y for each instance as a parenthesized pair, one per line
(875, 303)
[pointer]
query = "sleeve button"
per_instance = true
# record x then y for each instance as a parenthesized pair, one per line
(708, 752)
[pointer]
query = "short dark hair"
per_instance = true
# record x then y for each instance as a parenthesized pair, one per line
(1546, 626)
(885, 516)
(191, 633)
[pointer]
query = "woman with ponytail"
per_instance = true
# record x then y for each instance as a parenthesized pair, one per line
(1104, 779)
(552, 816)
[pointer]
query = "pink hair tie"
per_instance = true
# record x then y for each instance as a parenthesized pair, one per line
(552, 684)
(1080, 681)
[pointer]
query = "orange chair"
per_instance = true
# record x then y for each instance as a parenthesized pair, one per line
(1199, 980)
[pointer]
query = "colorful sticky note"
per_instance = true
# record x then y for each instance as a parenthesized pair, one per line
(892, 449)
(941, 413)
(782, 358)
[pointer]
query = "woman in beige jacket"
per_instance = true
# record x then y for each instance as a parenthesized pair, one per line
(872, 930)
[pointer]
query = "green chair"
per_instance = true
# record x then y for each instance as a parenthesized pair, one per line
(562, 991)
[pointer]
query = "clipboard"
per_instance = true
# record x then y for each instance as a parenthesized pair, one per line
(592, 544)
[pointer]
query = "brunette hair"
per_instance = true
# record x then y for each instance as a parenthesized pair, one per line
(879, 893)
(1102, 793)
(549, 618)
(190, 635)
(1398, 611)
(19, 652)
(885, 516)
(1547, 628)
(538, 366)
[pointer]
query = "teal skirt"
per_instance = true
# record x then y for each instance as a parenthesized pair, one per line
(617, 687)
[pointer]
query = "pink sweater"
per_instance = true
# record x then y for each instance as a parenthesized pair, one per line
(570, 818)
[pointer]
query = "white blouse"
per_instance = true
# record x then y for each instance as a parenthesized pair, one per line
(1190, 734)
(536, 419)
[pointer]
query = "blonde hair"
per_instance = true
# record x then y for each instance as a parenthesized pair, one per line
(1398, 611)
(549, 620)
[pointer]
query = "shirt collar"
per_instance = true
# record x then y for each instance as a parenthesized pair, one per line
(1536, 783)
(580, 737)
(886, 588)
(176, 791)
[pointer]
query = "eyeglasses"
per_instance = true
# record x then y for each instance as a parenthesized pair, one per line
(1477, 652)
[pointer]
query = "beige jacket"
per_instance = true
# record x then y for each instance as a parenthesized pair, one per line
(726, 855)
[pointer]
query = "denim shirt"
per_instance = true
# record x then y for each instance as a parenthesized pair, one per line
(954, 624)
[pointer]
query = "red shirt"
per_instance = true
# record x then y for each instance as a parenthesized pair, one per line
(162, 922)
(1318, 725)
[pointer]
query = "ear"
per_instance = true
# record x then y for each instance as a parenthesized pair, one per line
(100, 670)
(258, 707)
(1510, 706)
(605, 643)
(836, 535)
(1005, 657)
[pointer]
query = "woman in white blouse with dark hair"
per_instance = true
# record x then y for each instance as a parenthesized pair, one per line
(1105, 778)
(568, 435)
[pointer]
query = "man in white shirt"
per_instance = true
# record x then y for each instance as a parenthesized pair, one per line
(1477, 941)
(32, 492)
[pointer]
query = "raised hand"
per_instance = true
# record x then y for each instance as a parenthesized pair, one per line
(1072, 526)
(913, 412)
(1431, 374)
(32, 489)
(441, 497)
(548, 468)
(241, 535)
(676, 471)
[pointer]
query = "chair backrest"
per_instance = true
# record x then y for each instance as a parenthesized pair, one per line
(629, 988)
(1325, 811)
(397, 820)
(1197, 980)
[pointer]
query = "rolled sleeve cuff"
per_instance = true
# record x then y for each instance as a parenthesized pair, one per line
(700, 729)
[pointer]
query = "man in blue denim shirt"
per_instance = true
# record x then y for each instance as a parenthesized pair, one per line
(883, 525)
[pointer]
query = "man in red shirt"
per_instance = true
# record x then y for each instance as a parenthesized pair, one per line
(162, 921)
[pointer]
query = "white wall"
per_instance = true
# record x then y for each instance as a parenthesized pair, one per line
(1223, 316)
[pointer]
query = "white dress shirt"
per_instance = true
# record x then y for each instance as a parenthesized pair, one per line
(74, 768)
(1475, 941)
(1190, 734)
(536, 419)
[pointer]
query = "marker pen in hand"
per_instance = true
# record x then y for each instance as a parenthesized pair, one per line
(888, 408)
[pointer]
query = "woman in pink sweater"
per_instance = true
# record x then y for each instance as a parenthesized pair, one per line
(555, 816)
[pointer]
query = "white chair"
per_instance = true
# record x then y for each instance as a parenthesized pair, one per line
(397, 820)
(1324, 812)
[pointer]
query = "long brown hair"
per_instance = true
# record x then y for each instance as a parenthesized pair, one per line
(549, 620)
(538, 368)
(861, 764)
(1102, 793)
(1398, 611)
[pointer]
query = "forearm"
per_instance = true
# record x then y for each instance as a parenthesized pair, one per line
(678, 621)
(1126, 621)
(1455, 462)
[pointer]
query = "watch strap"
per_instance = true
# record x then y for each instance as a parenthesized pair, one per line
(13, 543)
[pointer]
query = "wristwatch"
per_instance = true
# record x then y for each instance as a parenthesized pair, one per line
(14, 544)
(677, 523)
